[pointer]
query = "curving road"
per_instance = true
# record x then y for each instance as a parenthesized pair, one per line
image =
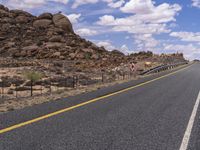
(154, 113)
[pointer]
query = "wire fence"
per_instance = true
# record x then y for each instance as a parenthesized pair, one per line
(14, 89)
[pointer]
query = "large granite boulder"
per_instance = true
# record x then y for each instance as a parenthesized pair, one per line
(63, 22)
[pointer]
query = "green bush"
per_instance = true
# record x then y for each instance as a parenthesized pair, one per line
(33, 76)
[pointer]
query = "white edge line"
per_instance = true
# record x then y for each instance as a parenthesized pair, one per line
(186, 138)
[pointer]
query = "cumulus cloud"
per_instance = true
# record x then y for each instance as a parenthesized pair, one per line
(145, 41)
(21, 4)
(30, 4)
(187, 36)
(132, 24)
(196, 3)
(138, 6)
(78, 3)
(190, 51)
(86, 32)
(107, 44)
(111, 3)
(74, 17)
(114, 3)
(145, 20)
(145, 10)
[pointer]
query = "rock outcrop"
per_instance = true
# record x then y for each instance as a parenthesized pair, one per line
(46, 36)
(51, 36)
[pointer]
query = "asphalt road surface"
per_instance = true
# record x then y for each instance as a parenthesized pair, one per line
(159, 112)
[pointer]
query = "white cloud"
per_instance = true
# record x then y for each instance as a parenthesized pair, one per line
(138, 6)
(127, 37)
(173, 25)
(60, 1)
(145, 20)
(147, 12)
(106, 20)
(132, 25)
(107, 44)
(86, 32)
(30, 4)
(124, 49)
(187, 36)
(74, 18)
(145, 41)
(196, 3)
(190, 51)
(154, 22)
(21, 4)
(111, 3)
(114, 4)
(78, 3)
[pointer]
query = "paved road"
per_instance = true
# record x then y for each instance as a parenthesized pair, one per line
(153, 116)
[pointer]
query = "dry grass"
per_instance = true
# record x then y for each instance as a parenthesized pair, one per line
(30, 101)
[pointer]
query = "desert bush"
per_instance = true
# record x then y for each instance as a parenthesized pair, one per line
(32, 76)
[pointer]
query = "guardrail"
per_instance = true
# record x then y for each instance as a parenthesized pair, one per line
(162, 68)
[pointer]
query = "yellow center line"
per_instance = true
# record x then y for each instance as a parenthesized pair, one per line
(82, 104)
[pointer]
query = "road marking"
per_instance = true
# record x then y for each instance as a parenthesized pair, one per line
(83, 104)
(186, 138)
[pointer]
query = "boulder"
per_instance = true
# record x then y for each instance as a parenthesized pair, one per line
(4, 13)
(53, 45)
(56, 55)
(2, 38)
(59, 31)
(95, 56)
(4, 8)
(80, 55)
(5, 27)
(56, 39)
(72, 55)
(10, 44)
(45, 16)
(63, 22)
(30, 48)
(22, 19)
(88, 50)
(42, 23)
(8, 20)
(21, 12)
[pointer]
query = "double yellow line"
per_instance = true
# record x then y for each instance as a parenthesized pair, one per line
(82, 104)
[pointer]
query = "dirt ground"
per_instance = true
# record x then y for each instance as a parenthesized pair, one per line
(11, 98)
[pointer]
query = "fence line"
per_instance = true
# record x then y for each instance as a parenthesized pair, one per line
(66, 83)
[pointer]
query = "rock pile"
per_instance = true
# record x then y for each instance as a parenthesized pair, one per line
(51, 36)
(46, 36)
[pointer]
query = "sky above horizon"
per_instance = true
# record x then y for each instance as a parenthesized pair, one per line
(161, 26)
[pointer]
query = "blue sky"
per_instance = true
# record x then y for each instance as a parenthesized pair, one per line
(161, 26)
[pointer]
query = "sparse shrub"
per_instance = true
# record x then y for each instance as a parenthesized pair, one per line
(88, 55)
(32, 76)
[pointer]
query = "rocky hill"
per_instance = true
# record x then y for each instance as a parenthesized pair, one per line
(46, 36)
(51, 36)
